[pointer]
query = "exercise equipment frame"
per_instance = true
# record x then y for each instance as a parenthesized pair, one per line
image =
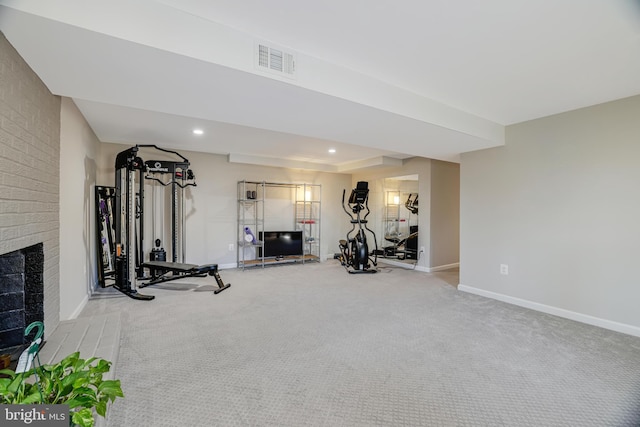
(354, 251)
(129, 223)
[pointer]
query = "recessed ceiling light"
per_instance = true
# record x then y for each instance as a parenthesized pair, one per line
(198, 131)
(332, 150)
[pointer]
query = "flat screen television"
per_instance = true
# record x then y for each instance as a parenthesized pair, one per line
(280, 243)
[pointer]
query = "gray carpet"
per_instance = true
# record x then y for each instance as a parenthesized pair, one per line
(313, 346)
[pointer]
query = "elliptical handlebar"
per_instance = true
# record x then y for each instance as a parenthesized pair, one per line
(412, 205)
(366, 206)
(344, 207)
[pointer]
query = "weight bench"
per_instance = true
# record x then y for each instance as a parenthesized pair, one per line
(161, 269)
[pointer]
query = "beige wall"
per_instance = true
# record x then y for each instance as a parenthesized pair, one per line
(29, 170)
(445, 214)
(560, 205)
(79, 150)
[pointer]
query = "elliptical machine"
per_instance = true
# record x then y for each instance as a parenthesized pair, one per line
(354, 252)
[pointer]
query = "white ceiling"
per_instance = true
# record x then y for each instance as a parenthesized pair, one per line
(377, 81)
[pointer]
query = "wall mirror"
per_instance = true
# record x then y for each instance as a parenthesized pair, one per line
(399, 219)
(105, 233)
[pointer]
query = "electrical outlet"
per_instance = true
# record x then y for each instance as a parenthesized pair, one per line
(504, 269)
(230, 247)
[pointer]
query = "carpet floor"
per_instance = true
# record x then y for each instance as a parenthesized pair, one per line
(310, 345)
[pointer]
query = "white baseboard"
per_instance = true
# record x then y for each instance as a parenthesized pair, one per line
(400, 264)
(227, 266)
(417, 267)
(330, 256)
(444, 267)
(79, 308)
(560, 312)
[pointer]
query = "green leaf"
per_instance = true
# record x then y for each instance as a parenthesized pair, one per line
(4, 383)
(15, 384)
(27, 393)
(81, 401)
(84, 365)
(8, 372)
(34, 397)
(83, 418)
(111, 388)
(70, 360)
(84, 391)
(75, 378)
(82, 381)
(101, 408)
(46, 385)
(103, 366)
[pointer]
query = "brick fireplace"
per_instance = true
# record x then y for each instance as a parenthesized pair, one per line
(29, 197)
(21, 295)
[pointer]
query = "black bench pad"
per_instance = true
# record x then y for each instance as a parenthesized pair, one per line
(181, 267)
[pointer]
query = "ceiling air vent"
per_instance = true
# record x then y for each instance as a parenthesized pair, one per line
(275, 60)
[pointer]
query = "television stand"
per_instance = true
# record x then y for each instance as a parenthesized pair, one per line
(290, 259)
(259, 241)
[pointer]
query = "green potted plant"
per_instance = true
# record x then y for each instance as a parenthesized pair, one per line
(73, 381)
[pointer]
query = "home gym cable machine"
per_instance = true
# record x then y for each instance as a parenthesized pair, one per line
(130, 264)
